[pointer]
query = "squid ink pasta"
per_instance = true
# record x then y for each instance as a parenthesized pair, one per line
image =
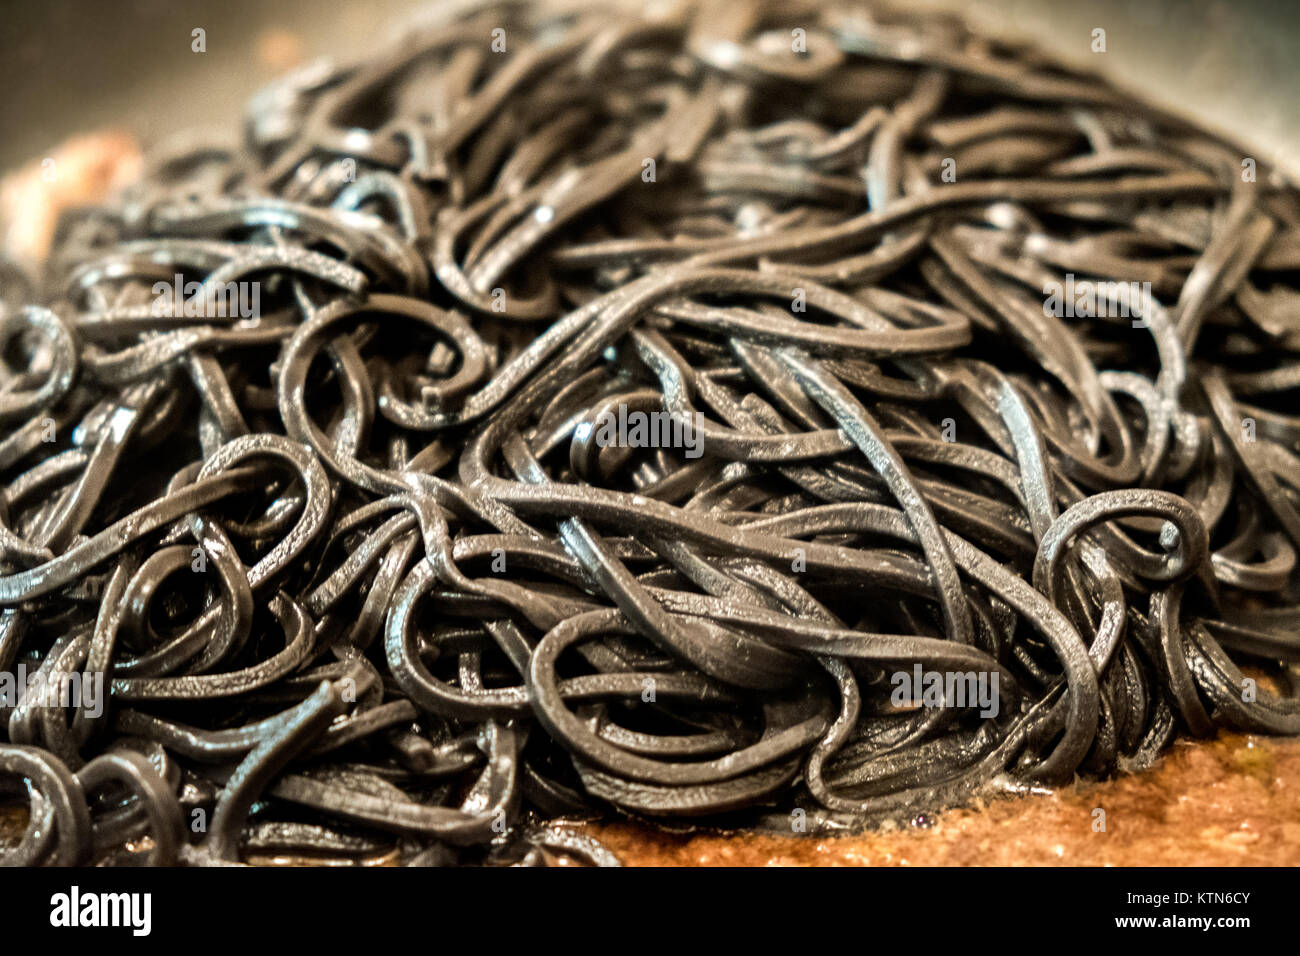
(698, 416)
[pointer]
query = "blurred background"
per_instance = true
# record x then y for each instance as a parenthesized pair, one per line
(69, 66)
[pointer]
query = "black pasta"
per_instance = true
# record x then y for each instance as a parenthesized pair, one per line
(306, 445)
